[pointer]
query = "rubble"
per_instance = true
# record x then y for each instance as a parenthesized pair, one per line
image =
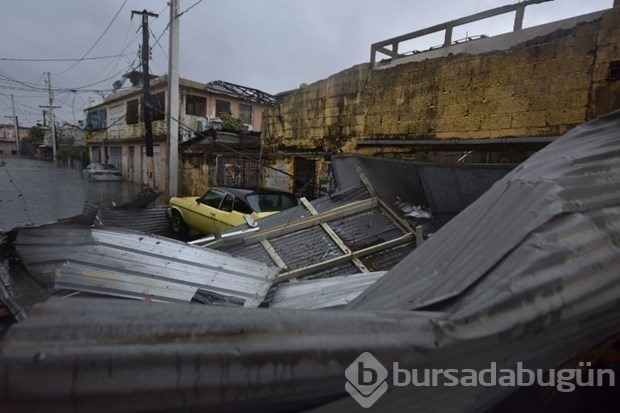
(500, 283)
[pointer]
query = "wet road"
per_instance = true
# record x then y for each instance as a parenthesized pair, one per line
(33, 191)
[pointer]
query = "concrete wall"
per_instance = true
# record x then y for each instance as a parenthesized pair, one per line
(542, 87)
(195, 174)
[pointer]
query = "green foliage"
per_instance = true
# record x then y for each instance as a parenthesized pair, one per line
(36, 134)
(231, 123)
(73, 152)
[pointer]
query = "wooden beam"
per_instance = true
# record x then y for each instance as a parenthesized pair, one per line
(365, 181)
(307, 222)
(337, 260)
(399, 221)
(332, 234)
(273, 254)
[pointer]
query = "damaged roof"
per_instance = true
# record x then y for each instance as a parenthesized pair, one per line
(240, 92)
(132, 264)
(542, 248)
(337, 235)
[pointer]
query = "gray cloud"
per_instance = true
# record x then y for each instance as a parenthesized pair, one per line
(273, 45)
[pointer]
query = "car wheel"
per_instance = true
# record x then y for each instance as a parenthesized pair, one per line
(178, 225)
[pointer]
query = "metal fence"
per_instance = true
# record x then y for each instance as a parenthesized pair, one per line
(237, 172)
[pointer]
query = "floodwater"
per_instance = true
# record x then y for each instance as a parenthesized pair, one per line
(38, 192)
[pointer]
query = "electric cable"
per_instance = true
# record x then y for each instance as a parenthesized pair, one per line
(96, 41)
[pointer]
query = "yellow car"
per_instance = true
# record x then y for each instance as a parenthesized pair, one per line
(221, 208)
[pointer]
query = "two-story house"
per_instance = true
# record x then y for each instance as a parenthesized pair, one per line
(8, 141)
(115, 128)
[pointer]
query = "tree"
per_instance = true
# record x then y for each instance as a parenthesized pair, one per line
(36, 134)
(231, 123)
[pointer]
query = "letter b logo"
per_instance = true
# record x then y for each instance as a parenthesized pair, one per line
(365, 376)
(366, 380)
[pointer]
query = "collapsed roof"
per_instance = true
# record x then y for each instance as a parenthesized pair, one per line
(527, 273)
(240, 92)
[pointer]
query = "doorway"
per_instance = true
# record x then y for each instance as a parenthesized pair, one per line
(305, 178)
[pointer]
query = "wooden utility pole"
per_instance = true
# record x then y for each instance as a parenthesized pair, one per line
(173, 100)
(146, 97)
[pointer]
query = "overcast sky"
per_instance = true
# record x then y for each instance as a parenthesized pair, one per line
(272, 45)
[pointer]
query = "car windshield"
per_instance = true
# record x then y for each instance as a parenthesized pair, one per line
(109, 167)
(271, 202)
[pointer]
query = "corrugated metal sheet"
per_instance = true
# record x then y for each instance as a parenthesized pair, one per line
(345, 268)
(137, 265)
(6, 293)
(323, 293)
(510, 216)
(365, 227)
(155, 220)
(446, 189)
(305, 247)
(547, 297)
(387, 259)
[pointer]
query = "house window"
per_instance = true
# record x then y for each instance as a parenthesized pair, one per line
(221, 107)
(195, 105)
(132, 114)
(159, 106)
(96, 119)
(245, 113)
(116, 114)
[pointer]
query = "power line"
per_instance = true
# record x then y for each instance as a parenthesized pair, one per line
(10, 59)
(19, 103)
(96, 41)
(123, 48)
(189, 8)
(157, 39)
(20, 194)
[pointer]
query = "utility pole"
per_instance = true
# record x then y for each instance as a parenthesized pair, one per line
(173, 100)
(51, 109)
(15, 123)
(146, 96)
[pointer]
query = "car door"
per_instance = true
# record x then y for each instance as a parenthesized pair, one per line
(227, 216)
(202, 215)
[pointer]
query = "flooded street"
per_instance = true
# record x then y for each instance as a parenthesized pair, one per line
(33, 191)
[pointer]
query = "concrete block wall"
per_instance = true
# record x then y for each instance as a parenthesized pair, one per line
(542, 87)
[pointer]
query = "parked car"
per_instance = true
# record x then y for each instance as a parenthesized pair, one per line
(102, 172)
(220, 208)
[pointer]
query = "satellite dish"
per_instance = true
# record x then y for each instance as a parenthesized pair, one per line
(118, 84)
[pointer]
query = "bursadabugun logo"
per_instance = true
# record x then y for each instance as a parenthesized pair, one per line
(366, 380)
